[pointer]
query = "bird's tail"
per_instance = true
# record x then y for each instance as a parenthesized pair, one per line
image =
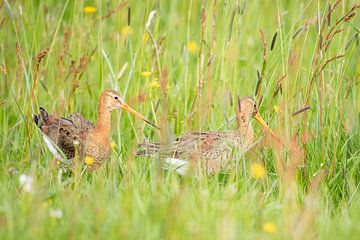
(178, 165)
(170, 163)
(148, 148)
(41, 118)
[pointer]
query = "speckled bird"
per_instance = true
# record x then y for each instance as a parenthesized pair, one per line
(64, 135)
(213, 150)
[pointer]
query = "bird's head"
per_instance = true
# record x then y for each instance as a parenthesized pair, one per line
(248, 106)
(112, 100)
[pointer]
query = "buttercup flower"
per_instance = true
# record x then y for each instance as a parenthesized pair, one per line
(89, 160)
(276, 108)
(154, 84)
(192, 47)
(113, 145)
(257, 171)
(146, 74)
(146, 37)
(89, 9)
(269, 228)
(127, 30)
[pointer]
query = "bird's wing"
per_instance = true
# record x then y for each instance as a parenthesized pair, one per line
(61, 133)
(80, 122)
(195, 143)
(182, 147)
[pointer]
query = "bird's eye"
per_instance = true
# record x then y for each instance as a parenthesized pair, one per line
(116, 97)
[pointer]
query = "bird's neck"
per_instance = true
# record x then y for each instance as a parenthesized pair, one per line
(103, 122)
(244, 130)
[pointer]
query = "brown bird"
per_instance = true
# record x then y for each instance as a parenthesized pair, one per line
(63, 136)
(213, 150)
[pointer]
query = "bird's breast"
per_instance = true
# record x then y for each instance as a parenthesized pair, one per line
(98, 147)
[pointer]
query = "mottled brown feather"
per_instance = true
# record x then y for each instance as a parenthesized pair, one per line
(93, 140)
(214, 149)
(64, 131)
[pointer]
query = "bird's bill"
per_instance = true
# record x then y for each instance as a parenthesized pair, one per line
(263, 124)
(132, 111)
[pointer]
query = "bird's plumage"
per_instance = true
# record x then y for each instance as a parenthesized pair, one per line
(214, 150)
(66, 137)
(63, 132)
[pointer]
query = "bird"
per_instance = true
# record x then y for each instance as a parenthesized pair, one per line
(76, 137)
(213, 150)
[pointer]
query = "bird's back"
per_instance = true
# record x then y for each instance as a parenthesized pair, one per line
(63, 132)
(207, 145)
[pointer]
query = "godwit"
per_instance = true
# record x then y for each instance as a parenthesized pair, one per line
(64, 135)
(213, 150)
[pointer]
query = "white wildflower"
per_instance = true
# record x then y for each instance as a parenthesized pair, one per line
(26, 183)
(56, 213)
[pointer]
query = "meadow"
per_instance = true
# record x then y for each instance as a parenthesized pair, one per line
(182, 64)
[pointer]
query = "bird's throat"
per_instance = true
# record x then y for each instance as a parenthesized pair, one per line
(103, 122)
(244, 130)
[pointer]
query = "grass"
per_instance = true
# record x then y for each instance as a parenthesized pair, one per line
(289, 54)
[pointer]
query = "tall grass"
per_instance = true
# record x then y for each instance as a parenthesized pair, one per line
(296, 59)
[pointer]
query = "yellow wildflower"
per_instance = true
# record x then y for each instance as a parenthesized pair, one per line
(127, 30)
(154, 84)
(89, 9)
(89, 160)
(276, 108)
(269, 228)
(192, 47)
(113, 145)
(146, 74)
(146, 37)
(257, 171)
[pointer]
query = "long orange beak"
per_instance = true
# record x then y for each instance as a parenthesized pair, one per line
(132, 111)
(264, 125)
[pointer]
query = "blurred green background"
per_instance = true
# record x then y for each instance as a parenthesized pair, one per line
(181, 72)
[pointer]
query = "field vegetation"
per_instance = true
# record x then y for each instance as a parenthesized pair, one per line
(183, 64)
